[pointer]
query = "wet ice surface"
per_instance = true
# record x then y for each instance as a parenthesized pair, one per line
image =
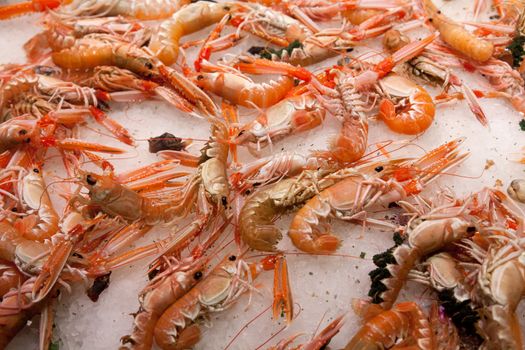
(323, 286)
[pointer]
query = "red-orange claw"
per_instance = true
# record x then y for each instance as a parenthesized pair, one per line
(384, 67)
(115, 128)
(263, 66)
(22, 8)
(78, 145)
(54, 264)
(102, 95)
(282, 295)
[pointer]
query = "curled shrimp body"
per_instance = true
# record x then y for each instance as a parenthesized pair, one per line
(18, 308)
(240, 90)
(139, 9)
(161, 292)
(10, 277)
(35, 196)
(259, 212)
(291, 115)
(406, 322)
(178, 327)
(187, 20)
(424, 237)
(347, 104)
(271, 25)
(212, 169)
(361, 189)
(457, 36)
(413, 114)
(501, 290)
(16, 87)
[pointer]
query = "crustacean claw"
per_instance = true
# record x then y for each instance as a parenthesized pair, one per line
(54, 265)
(282, 294)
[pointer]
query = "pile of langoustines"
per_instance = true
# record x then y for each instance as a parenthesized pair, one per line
(91, 54)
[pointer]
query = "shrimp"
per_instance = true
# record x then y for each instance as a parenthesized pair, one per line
(273, 168)
(91, 52)
(10, 277)
(501, 290)
(170, 283)
(178, 327)
(158, 296)
(457, 36)
(189, 19)
(406, 323)
(272, 26)
(292, 115)
(364, 188)
(240, 90)
(262, 208)
(413, 114)
(13, 10)
(16, 309)
(111, 196)
(424, 237)
(328, 43)
(107, 195)
(35, 196)
(347, 104)
(139, 9)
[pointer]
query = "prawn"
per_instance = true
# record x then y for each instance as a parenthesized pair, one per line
(189, 19)
(406, 322)
(457, 36)
(415, 111)
(362, 189)
(292, 115)
(240, 90)
(178, 327)
(261, 209)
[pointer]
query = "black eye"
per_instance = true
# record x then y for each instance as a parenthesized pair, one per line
(197, 275)
(232, 258)
(14, 210)
(22, 132)
(379, 168)
(224, 201)
(471, 229)
(149, 65)
(200, 77)
(35, 170)
(91, 181)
